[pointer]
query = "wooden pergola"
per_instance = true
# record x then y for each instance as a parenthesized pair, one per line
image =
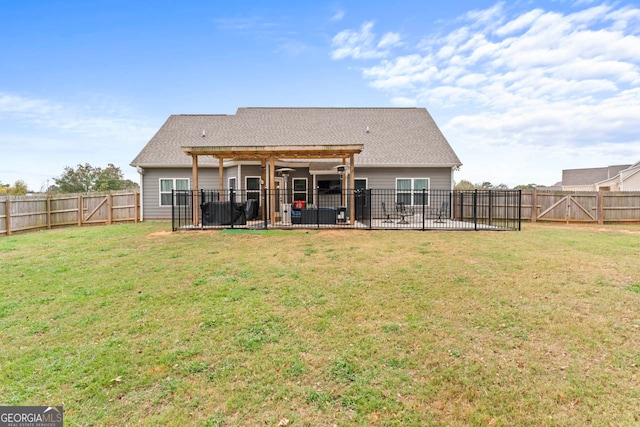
(268, 155)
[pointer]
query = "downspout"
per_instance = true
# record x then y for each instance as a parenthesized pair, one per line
(452, 181)
(141, 173)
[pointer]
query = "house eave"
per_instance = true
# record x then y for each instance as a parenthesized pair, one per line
(408, 165)
(356, 164)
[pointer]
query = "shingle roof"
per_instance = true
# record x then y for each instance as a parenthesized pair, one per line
(398, 136)
(590, 176)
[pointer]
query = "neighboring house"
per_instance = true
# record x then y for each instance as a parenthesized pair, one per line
(400, 149)
(587, 179)
(626, 180)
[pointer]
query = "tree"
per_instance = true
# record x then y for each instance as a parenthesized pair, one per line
(486, 185)
(525, 187)
(86, 178)
(18, 189)
(109, 179)
(464, 185)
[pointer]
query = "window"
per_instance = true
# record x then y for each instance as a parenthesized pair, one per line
(252, 185)
(360, 184)
(300, 189)
(420, 197)
(167, 185)
(232, 183)
(328, 186)
(409, 191)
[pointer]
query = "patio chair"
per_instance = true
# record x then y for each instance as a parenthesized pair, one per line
(444, 208)
(386, 213)
(404, 211)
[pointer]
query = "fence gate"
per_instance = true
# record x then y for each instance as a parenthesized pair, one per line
(568, 208)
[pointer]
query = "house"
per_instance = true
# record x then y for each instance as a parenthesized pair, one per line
(309, 152)
(627, 179)
(594, 179)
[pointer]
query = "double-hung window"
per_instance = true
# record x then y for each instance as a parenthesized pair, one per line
(412, 191)
(300, 189)
(167, 185)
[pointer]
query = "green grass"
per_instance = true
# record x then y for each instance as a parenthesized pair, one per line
(134, 325)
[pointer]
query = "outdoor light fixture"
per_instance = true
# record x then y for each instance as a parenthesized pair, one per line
(284, 172)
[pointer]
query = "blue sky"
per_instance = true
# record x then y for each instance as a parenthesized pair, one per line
(520, 89)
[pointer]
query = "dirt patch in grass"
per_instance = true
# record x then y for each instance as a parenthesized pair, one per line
(160, 234)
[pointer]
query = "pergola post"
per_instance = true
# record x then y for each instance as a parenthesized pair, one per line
(220, 177)
(194, 188)
(263, 186)
(343, 182)
(272, 192)
(352, 185)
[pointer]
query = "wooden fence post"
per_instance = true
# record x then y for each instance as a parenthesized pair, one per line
(109, 208)
(48, 212)
(534, 205)
(80, 210)
(600, 207)
(7, 213)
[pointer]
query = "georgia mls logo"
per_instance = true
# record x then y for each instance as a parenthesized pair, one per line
(31, 416)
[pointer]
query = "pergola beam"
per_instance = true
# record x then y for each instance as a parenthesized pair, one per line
(278, 151)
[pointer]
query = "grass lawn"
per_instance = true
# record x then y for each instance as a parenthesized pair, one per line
(135, 325)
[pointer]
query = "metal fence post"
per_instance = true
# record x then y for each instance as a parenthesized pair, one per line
(475, 209)
(173, 211)
(519, 210)
(201, 207)
(370, 202)
(424, 199)
(231, 207)
(490, 213)
(265, 209)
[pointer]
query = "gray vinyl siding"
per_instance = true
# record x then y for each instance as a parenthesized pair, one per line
(385, 178)
(377, 178)
(207, 178)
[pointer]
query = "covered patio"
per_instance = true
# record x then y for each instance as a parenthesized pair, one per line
(268, 155)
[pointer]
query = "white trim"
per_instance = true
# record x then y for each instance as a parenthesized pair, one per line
(229, 178)
(406, 165)
(285, 163)
(366, 182)
(306, 188)
(141, 173)
(173, 187)
(246, 190)
(412, 190)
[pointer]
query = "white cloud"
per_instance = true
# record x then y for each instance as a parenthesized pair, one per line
(338, 15)
(565, 83)
(389, 40)
(362, 44)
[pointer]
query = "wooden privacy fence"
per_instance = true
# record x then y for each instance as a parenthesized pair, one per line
(24, 213)
(588, 207)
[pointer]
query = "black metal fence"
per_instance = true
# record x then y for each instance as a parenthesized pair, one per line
(364, 209)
